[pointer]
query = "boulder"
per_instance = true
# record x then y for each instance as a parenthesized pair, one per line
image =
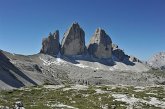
(51, 44)
(73, 42)
(100, 45)
(18, 105)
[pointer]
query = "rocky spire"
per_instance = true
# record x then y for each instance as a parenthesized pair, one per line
(51, 44)
(73, 42)
(100, 44)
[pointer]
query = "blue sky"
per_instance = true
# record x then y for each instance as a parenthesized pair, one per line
(137, 26)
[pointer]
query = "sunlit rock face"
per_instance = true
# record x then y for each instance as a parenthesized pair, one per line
(51, 44)
(157, 60)
(73, 42)
(100, 45)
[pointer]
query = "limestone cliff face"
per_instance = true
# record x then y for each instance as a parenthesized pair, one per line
(100, 45)
(73, 42)
(119, 55)
(157, 60)
(51, 44)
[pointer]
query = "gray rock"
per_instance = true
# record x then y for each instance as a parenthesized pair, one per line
(157, 60)
(119, 54)
(73, 42)
(51, 44)
(66, 70)
(133, 59)
(100, 45)
(115, 46)
(162, 67)
(18, 105)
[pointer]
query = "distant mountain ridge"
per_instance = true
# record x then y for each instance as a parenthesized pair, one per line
(20, 70)
(157, 60)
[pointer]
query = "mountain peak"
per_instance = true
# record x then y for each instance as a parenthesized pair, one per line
(157, 60)
(100, 44)
(50, 45)
(73, 42)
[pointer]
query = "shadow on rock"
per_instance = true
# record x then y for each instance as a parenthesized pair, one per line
(8, 73)
(75, 59)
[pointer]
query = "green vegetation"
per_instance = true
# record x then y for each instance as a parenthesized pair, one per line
(157, 72)
(91, 97)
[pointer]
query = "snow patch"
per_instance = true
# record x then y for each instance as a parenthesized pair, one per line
(81, 65)
(85, 66)
(57, 61)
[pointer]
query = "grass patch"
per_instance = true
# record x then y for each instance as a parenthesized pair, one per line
(38, 97)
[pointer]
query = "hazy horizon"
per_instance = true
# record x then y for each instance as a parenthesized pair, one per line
(138, 27)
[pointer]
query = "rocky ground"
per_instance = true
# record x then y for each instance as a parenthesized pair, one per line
(18, 70)
(45, 82)
(62, 66)
(72, 62)
(85, 97)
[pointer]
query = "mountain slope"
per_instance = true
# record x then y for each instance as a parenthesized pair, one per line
(19, 70)
(157, 60)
